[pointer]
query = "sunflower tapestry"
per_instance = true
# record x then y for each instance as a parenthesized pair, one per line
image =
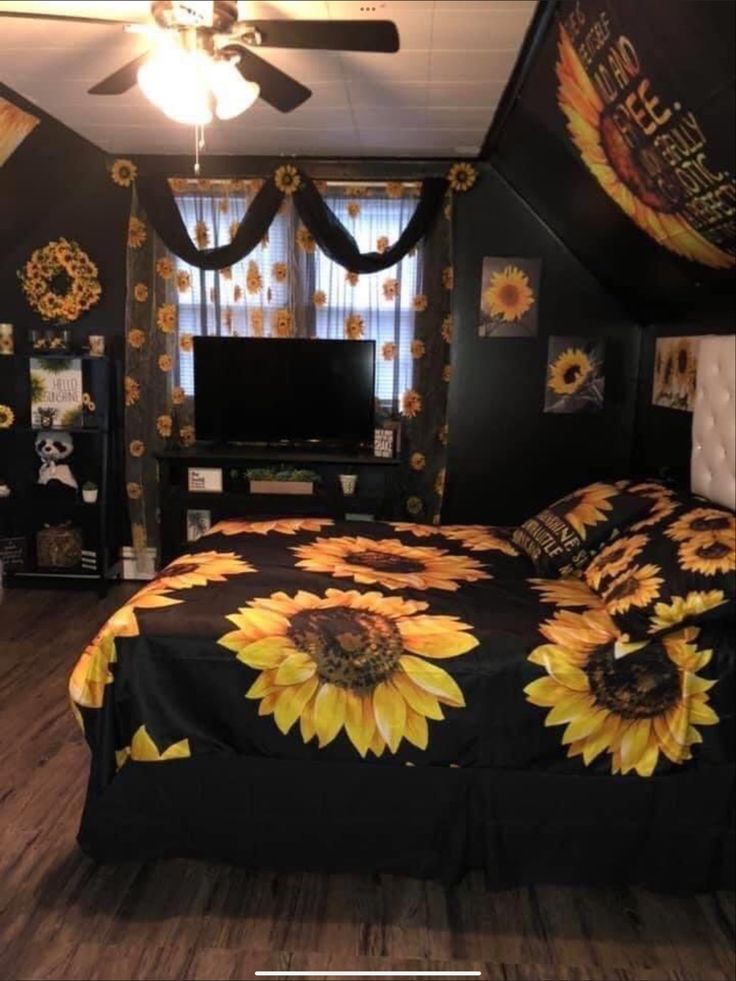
(286, 287)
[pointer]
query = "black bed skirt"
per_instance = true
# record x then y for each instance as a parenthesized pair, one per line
(671, 832)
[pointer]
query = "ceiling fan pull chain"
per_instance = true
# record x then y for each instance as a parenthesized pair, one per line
(199, 144)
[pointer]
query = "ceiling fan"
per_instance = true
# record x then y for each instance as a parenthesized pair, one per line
(203, 56)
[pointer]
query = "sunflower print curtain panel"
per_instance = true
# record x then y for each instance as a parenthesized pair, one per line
(300, 639)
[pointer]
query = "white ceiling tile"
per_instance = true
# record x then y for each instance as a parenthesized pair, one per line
(437, 93)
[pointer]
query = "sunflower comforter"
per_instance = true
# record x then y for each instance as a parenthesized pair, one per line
(404, 657)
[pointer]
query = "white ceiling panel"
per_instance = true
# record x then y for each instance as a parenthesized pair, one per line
(435, 97)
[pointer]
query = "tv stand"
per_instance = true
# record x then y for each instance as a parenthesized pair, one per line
(376, 495)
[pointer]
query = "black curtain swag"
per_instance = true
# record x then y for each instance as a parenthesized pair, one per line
(330, 234)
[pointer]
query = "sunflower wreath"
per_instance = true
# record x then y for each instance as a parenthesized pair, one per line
(60, 281)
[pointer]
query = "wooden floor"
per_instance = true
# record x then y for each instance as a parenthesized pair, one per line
(62, 917)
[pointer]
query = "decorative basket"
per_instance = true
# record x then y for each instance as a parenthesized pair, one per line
(59, 547)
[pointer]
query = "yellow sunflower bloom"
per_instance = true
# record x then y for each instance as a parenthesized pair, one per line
(611, 161)
(287, 179)
(165, 267)
(283, 526)
(419, 531)
(477, 538)
(566, 592)
(388, 351)
(587, 507)
(581, 632)
(319, 298)
(199, 570)
(123, 172)
(634, 707)
(163, 426)
(186, 343)
(358, 662)
(614, 558)
(140, 292)
(136, 338)
(703, 522)
(283, 323)
(411, 403)
(144, 750)
(166, 318)
(664, 505)
(707, 555)
(638, 586)
(390, 289)
(569, 372)
(681, 608)
(7, 417)
(183, 281)
(388, 563)
(352, 278)
(417, 349)
(132, 391)
(508, 295)
(354, 327)
(136, 233)
(461, 177)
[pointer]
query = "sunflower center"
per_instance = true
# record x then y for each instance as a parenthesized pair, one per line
(627, 587)
(709, 524)
(509, 294)
(715, 550)
(661, 191)
(385, 561)
(638, 686)
(572, 374)
(352, 648)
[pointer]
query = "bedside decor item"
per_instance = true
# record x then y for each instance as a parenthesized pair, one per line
(383, 443)
(60, 281)
(59, 546)
(56, 392)
(575, 379)
(675, 371)
(199, 522)
(90, 492)
(7, 345)
(7, 417)
(13, 552)
(54, 450)
(4, 488)
(96, 345)
(207, 480)
(59, 340)
(348, 482)
(267, 481)
(509, 297)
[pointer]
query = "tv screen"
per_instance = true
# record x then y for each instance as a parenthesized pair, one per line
(258, 389)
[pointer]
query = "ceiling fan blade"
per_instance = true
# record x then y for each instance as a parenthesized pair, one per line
(329, 35)
(277, 88)
(121, 80)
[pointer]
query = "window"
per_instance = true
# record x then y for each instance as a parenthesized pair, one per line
(227, 301)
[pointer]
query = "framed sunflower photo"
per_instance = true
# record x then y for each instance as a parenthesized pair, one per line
(675, 372)
(509, 297)
(575, 375)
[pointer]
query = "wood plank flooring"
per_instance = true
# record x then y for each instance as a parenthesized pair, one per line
(63, 917)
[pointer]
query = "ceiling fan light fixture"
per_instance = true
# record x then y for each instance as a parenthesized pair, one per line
(232, 94)
(176, 81)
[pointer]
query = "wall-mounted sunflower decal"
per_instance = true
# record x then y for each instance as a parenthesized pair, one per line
(675, 372)
(509, 297)
(627, 161)
(389, 562)
(633, 707)
(358, 662)
(575, 379)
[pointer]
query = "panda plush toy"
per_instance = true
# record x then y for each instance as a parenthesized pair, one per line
(54, 450)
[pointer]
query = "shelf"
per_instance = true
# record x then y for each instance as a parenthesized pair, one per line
(25, 356)
(75, 430)
(224, 455)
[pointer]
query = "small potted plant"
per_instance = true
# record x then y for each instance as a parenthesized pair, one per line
(89, 492)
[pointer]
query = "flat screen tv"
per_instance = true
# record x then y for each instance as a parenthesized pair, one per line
(274, 390)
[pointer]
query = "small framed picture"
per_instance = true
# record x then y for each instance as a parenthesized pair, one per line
(207, 480)
(509, 297)
(199, 522)
(383, 442)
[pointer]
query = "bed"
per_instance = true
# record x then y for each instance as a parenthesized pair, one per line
(304, 694)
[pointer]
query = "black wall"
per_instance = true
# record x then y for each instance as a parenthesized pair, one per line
(507, 458)
(57, 184)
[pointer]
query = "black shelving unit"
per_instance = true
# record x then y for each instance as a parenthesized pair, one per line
(31, 506)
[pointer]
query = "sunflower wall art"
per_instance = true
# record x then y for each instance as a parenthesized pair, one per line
(509, 297)
(675, 372)
(575, 379)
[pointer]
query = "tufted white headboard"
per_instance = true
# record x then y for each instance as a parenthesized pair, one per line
(713, 462)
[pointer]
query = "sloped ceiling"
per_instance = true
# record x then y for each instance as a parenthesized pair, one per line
(435, 97)
(618, 129)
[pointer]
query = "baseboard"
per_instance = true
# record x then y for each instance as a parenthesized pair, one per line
(141, 566)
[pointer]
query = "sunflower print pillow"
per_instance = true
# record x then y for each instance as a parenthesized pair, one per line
(562, 538)
(654, 578)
